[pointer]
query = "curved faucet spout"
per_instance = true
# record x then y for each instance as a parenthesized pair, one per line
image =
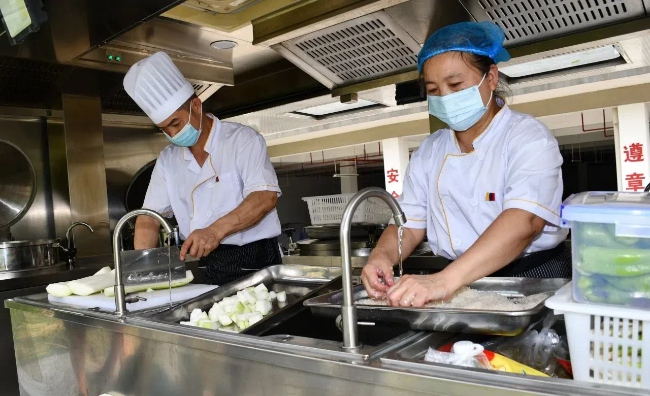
(348, 309)
(71, 250)
(120, 301)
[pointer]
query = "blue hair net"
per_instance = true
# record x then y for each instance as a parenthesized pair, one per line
(480, 38)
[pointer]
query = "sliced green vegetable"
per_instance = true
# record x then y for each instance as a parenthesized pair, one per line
(59, 289)
(104, 270)
(91, 284)
(614, 262)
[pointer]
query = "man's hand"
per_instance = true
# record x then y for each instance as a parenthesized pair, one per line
(201, 242)
(377, 277)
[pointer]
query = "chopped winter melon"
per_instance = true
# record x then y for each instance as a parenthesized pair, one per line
(262, 295)
(242, 324)
(207, 324)
(263, 307)
(224, 320)
(198, 314)
(254, 318)
(214, 312)
(261, 287)
(249, 297)
(282, 296)
(149, 290)
(239, 308)
(189, 323)
(232, 329)
(272, 295)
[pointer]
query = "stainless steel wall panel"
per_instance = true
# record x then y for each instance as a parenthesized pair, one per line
(127, 148)
(27, 134)
(84, 141)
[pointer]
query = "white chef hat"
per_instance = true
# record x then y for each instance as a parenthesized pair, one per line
(157, 86)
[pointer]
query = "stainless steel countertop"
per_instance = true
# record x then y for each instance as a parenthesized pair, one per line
(305, 363)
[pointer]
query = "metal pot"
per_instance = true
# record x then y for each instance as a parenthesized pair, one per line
(28, 255)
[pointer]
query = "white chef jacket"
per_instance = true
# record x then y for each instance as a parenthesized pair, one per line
(237, 165)
(456, 196)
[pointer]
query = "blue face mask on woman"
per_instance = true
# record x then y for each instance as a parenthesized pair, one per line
(188, 136)
(460, 110)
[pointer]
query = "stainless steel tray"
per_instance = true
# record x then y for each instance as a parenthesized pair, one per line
(296, 280)
(451, 320)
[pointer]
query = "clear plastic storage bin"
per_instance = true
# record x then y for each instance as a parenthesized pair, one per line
(610, 239)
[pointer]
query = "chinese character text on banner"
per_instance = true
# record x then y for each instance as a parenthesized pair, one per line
(634, 143)
(396, 158)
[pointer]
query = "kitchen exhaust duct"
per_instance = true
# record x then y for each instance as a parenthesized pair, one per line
(525, 21)
(370, 46)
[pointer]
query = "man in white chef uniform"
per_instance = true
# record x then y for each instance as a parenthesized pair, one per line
(216, 178)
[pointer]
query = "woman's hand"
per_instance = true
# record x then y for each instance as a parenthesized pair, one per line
(417, 290)
(377, 277)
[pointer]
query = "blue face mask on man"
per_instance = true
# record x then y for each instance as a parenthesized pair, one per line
(188, 136)
(460, 110)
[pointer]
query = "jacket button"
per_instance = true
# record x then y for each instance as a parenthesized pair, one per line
(446, 199)
(473, 202)
(457, 242)
(209, 214)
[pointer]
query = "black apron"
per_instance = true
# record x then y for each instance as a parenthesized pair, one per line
(551, 263)
(227, 263)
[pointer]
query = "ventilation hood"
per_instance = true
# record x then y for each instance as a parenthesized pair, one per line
(380, 44)
(82, 33)
(361, 51)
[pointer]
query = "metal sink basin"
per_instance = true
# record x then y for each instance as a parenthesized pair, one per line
(298, 321)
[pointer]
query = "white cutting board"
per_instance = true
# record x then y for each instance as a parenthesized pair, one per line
(154, 299)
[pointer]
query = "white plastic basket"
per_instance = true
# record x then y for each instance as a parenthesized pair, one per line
(606, 343)
(328, 210)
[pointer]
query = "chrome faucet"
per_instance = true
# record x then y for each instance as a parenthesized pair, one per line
(71, 250)
(348, 309)
(120, 301)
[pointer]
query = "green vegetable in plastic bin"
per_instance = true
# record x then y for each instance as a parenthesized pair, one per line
(614, 262)
(635, 284)
(602, 235)
(596, 290)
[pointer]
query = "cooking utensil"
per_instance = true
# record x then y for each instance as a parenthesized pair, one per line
(152, 265)
(28, 255)
(17, 184)
(451, 320)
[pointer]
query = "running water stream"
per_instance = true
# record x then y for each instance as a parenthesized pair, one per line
(400, 231)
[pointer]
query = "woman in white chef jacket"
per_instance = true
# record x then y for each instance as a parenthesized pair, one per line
(486, 192)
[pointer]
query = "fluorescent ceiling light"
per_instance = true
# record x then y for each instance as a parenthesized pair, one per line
(561, 62)
(16, 16)
(336, 107)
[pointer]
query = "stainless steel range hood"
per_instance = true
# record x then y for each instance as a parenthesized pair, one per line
(372, 46)
(379, 48)
(83, 32)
